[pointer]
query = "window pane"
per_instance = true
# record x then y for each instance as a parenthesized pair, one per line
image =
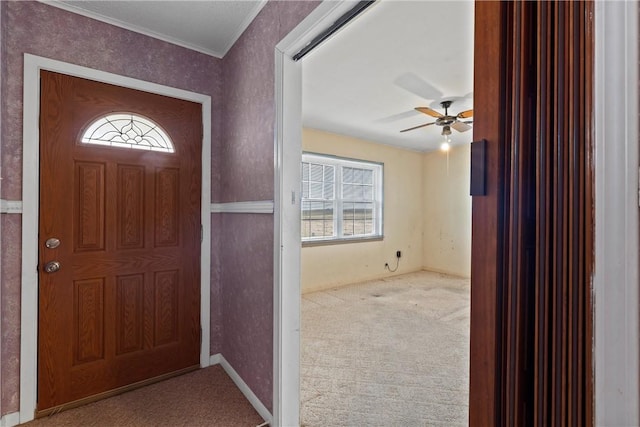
(329, 173)
(328, 190)
(317, 219)
(367, 192)
(367, 177)
(348, 191)
(316, 173)
(358, 176)
(357, 219)
(347, 174)
(306, 225)
(315, 190)
(317, 181)
(348, 218)
(355, 192)
(368, 227)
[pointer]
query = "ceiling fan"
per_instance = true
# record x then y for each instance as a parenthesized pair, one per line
(445, 120)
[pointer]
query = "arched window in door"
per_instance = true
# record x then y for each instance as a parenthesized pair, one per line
(127, 130)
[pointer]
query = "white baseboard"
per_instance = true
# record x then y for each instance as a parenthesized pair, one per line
(10, 420)
(218, 359)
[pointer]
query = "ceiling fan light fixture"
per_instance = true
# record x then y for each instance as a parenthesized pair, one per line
(446, 144)
(446, 130)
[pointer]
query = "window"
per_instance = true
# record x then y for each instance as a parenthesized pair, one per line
(127, 131)
(341, 198)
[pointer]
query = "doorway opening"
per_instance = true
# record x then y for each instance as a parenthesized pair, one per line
(369, 330)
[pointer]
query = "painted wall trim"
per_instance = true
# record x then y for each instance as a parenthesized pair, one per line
(10, 206)
(218, 359)
(10, 420)
(616, 276)
(30, 190)
(255, 207)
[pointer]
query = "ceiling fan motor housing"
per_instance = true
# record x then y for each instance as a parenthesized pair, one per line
(445, 120)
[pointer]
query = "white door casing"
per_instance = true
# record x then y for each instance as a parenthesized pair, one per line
(30, 191)
(616, 279)
(286, 250)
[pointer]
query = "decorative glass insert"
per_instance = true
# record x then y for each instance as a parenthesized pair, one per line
(128, 130)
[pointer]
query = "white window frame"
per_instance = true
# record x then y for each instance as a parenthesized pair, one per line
(378, 198)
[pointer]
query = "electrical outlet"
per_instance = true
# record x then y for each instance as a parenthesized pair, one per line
(398, 254)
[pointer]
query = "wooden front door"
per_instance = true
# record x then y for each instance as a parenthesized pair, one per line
(119, 238)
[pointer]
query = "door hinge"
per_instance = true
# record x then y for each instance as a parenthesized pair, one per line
(201, 233)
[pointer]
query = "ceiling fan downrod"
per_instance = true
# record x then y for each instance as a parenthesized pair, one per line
(446, 105)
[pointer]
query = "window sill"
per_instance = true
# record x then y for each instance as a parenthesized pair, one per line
(310, 243)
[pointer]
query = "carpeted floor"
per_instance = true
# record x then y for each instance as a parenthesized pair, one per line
(206, 397)
(392, 352)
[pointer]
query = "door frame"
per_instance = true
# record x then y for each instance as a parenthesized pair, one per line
(612, 94)
(30, 209)
(616, 276)
(287, 246)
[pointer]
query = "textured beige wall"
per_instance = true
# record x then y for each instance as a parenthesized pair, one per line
(447, 212)
(331, 265)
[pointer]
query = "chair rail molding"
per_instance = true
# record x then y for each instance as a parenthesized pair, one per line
(247, 207)
(10, 206)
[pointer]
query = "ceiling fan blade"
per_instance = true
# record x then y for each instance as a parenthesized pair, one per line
(460, 126)
(429, 111)
(399, 116)
(418, 86)
(465, 114)
(417, 127)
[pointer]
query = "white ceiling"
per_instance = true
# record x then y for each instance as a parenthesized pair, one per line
(207, 26)
(365, 81)
(362, 82)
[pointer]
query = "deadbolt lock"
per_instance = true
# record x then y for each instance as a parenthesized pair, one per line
(52, 243)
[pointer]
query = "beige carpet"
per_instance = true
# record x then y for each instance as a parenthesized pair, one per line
(206, 397)
(392, 352)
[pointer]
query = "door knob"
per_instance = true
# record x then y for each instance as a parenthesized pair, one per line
(52, 266)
